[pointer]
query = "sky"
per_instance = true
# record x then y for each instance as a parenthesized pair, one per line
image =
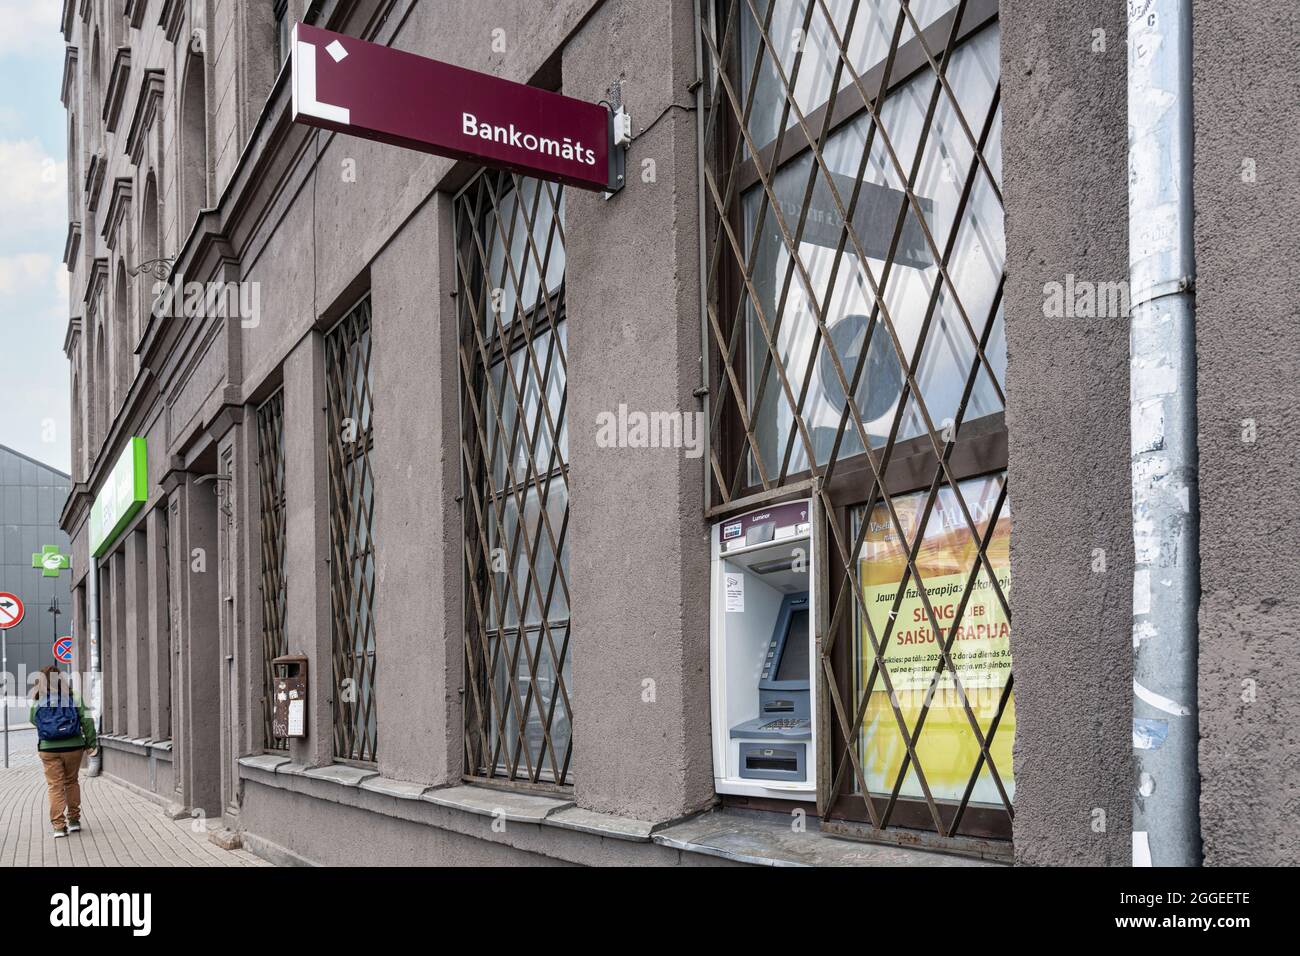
(34, 383)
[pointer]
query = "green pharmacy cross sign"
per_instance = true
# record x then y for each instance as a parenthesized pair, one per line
(50, 561)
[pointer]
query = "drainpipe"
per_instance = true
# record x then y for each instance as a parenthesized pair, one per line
(95, 763)
(1162, 412)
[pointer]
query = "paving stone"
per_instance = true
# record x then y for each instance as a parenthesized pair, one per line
(119, 827)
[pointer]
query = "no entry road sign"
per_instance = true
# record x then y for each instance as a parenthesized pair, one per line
(348, 85)
(11, 610)
(63, 650)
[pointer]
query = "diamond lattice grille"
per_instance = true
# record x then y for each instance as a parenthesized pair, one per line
(855, 264)
(349, 442)
(514, 445)
(270, 473)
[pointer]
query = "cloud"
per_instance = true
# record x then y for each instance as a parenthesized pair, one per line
(33, 188)
(31, 28)
(25, 271)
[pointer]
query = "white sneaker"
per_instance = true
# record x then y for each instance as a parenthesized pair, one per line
(60, 833)
(74, 826)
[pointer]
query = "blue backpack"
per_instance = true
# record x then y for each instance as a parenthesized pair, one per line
(57, 718)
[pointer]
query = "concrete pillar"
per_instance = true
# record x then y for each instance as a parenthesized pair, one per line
(638, 541)
(122, 664)
(159, 627)
(136, 634)
(308, 620)
(417, 522)
(103, 590)
(195, 575)
(80, 643)
(249, 686)
(1247, 191)
(1068, 433)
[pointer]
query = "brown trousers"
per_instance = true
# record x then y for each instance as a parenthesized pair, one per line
(61, 769)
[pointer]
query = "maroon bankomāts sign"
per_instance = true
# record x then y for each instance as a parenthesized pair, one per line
(348, 85)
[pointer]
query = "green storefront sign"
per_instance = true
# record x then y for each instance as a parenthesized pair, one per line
(123, 494)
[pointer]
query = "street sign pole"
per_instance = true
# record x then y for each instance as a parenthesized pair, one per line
(4, 654)
(11, 615)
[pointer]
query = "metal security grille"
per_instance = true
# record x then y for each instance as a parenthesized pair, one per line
(270, 473)
(855, 264)
(352, 554)
(514, 451)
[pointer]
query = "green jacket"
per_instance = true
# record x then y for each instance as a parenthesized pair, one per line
(86, 738)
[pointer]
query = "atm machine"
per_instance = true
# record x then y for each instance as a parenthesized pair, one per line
(762, 653)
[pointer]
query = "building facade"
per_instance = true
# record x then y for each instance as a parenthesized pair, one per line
(32, 496)
(461, 445)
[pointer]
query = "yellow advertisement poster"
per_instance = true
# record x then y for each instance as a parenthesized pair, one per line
(981, 648)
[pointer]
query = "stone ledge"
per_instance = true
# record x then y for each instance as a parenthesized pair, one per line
(515, 807)
(267, 762)
(343, 774)
(602, 824)
(123, 744)
(142, 746)
(394, 788)
(759, 840)
(736, 836)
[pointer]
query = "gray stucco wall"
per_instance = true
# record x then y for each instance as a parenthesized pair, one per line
(148, 772)
(638, 541)
(1064, 155)
(308, 820)
(414, 365)
(1248, 367)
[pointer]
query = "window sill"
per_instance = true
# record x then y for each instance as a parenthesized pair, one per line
(143, 746)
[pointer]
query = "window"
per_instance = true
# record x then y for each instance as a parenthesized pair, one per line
(280, 10)
(99, 414)
(270, 474)
(121, 336)
(352, 552)
(78, 417)
(194, 142)
(510, 266)
(854, 244)
(150, 253)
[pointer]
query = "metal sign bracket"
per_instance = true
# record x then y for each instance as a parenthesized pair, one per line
(620, 136)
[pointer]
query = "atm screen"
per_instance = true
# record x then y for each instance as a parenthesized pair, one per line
(794, 657)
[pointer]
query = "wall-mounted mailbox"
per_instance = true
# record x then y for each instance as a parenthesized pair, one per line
(289, 706)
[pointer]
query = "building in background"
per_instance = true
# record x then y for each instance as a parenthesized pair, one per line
(32, 497)
(390, 456)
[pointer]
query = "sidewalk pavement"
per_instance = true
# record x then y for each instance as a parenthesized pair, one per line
(119, 828)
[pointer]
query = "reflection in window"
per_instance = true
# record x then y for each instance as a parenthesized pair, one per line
(791, 25)
(352, 552)
(914, 293)
(510, 264)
